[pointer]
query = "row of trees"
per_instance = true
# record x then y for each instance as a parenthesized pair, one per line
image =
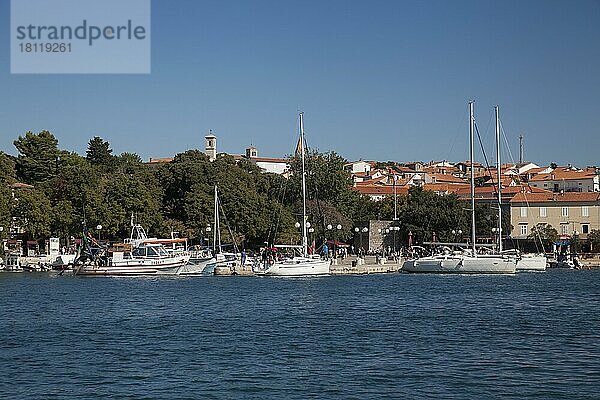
(105, 189)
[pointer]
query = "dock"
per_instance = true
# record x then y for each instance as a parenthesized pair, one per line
(348, 266)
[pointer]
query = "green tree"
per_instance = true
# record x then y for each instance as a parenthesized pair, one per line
(7, 168)
(594, 238)
(31, 212)
(38, 157)
(545, 233)
(99, 152)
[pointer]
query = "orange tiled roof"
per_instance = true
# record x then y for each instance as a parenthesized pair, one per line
(565, 173)
(160, 160)
(550, 197)
(380, 190)
(270, 159)
(444, 187)
(446, 178)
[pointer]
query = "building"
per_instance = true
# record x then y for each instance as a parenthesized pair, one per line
(568, 212)
(568, 179)
(210, 148)
(360, 166)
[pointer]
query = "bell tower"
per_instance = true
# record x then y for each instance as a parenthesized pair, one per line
(210, 145)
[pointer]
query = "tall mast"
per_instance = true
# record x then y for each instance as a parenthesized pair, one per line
(497, 109)
(217, 227)
(304, 218)
(471, 140)
(395, 200)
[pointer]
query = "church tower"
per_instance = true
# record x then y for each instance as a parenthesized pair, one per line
(210, 146)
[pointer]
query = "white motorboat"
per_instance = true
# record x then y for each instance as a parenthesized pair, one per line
(303, 264)
(135, 257)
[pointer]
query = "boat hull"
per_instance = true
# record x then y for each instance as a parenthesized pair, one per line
(461, 265)
(532, 263)
(299, 267)
(135, 268)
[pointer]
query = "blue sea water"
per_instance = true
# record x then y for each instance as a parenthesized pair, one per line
(532, 335)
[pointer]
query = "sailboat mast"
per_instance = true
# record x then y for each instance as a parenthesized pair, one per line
(497, 109)
(471, 140)
(216, 233)
(304, 218)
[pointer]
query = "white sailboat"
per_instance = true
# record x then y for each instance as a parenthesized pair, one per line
(304, 264)
(207, 264)
(468, 262)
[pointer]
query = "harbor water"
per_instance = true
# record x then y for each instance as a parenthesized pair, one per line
(531, 335)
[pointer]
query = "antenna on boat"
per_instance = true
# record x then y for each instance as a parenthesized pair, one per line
(521, 149)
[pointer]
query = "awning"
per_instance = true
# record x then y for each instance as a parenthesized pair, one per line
(337, 243)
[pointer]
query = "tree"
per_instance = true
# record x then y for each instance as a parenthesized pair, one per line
(594, 238)
(38, 157)
(424, 212)
(7, 168)
(545, 233)
(31, 212)
(99, 152)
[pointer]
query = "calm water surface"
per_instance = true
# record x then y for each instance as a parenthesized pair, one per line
(533, 335)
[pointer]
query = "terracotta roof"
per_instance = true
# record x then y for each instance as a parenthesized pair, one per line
(382, 190)
(446, 178)
(268, 159)
(489, 192)
(444, 187)
(160, 160)
(468, 163)
(534, 171)
(549, 197)
(565, 173)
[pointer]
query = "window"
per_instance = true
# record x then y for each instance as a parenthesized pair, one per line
(523, 229)
(523, 212)
(585, 228)
(542, 211)
(565, 211)
(585, 211)
(564, 229)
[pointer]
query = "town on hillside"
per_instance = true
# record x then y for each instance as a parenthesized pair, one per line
(565, 198)
(557, 204)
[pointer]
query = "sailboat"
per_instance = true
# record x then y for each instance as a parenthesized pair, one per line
(304, 264)
(469, 262)
(205, 265)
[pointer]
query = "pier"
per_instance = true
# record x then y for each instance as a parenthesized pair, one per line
(348, 266)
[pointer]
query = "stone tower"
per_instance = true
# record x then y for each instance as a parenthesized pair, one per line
(210, 146)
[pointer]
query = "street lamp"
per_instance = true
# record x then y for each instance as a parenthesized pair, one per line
(208, 229)
(363, 230)
(494, 232)
(394, 229)
(99, 229)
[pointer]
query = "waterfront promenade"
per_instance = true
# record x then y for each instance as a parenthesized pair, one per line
(347, 266)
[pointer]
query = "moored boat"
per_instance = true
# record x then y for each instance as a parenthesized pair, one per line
(138, 256)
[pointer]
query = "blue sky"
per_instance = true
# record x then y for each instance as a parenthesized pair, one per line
(384, 80)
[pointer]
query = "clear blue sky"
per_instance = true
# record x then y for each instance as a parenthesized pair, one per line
(384, 80)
